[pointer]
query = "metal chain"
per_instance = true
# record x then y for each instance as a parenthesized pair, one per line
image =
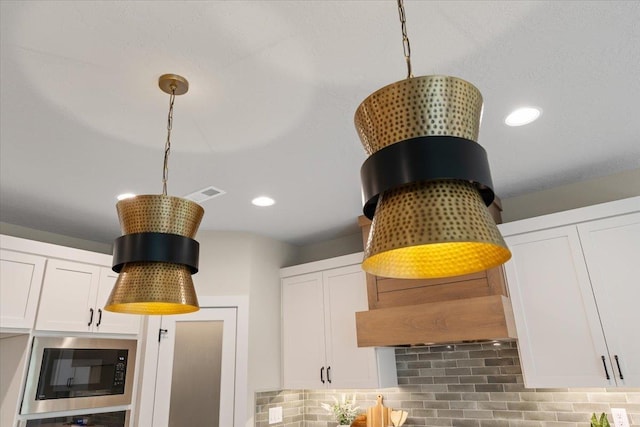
(167, 145)
(406, 46)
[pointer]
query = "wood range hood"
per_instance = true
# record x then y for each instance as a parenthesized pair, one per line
(402, 312)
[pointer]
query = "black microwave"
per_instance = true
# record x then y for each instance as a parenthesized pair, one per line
(78, 373)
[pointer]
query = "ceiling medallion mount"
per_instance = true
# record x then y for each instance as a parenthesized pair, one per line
(168, 82)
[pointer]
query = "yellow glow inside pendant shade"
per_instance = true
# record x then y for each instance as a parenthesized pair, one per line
(153, 288)
(436, 260)
(434, 229)
(152, 308)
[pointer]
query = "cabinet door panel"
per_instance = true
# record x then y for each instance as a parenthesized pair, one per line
(345, 292)
(559, 335)
(20, 283)
(68, 292)
(612, 250)
(303, 331)
(113, 323)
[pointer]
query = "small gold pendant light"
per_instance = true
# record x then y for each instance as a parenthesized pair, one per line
(426, 184)
(156, 255)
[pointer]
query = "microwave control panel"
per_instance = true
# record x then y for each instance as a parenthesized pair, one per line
(120, 370)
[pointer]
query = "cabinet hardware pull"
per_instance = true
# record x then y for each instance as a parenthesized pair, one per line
(91, 318)
(618, 363)
(160, 332)
(329, 374)
(322, 374)
(606, 371)
(99, 317)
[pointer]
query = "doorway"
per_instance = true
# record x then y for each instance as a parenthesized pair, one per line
(195, 382)
(195, 367)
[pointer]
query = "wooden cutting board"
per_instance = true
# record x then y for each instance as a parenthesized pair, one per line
(378, 416)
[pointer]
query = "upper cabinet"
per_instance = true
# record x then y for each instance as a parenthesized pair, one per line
(73, 298)
(572, 281)
(108, 322)
(20, 282)
(63, 289)
(68, 297)
(611, 249)
(319, 302)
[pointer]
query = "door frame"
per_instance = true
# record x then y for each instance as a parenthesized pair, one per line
(147, 363)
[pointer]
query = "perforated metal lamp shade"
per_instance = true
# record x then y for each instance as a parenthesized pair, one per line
(156, 229)
(426, 183)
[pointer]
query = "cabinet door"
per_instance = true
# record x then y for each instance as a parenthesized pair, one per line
(303, 343)
(68, 297)
(107, 322)
(345, 292)
(20, 283)
(560, 339)
(612, 250)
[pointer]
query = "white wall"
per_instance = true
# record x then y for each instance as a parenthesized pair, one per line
(55, 239)
(234, 264)
(571, 196)
(13, 356)
(225, 263)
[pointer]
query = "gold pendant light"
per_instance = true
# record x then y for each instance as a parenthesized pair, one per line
(426, 184)
(156, 255)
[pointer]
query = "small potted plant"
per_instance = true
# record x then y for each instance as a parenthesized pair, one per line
(602, 422)
(343, 410)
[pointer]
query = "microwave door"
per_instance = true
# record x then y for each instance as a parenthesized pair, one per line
(70, 373)
(67, 373)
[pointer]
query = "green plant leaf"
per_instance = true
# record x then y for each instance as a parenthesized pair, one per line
(594, 421)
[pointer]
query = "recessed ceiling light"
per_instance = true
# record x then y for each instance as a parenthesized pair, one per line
(263, 201)
(125, 196)
(523, 116)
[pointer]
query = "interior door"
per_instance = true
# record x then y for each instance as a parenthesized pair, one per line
(196, 367)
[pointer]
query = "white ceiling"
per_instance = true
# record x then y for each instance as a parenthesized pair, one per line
(273, 89)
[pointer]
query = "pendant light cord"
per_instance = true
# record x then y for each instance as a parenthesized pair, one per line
(406, 46)
(167, 145)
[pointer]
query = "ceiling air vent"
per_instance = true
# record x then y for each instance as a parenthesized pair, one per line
(204, 194)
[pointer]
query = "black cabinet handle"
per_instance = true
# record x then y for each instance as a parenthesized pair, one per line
(606, 371)
(160, 332)
(91, 318)
(322, 374)
(99, 317)
(618, 363)
(329, 374)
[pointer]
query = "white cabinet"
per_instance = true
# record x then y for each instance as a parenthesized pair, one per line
(612, 251)
(73, 296)
(20, 282)
(319, 329)
(575, 296)
(108, 322)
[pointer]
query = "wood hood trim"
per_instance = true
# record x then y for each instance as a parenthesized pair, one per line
(471, 319)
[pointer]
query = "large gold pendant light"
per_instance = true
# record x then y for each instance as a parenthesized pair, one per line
(426, 183)
(156, 255)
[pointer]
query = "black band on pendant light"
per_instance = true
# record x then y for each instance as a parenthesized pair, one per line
(155, 247)
(425, 159)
